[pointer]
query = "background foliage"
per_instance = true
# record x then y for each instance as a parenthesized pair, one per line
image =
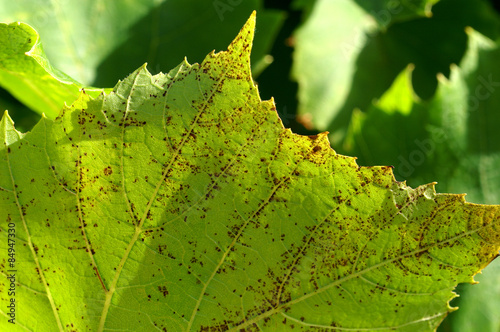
(409, 84)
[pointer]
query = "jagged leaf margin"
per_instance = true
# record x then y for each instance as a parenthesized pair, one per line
(180, 202)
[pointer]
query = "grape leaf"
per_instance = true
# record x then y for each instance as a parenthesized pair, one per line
(179, 202)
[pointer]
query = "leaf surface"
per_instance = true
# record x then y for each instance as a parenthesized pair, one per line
(183, 204)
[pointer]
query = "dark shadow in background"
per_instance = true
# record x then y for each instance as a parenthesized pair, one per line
(24, 118)
(275, 80)
(192, 29)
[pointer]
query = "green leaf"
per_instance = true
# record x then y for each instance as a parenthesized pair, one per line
(325, 73)
(27, 74)
(179, 202)
(358, 59)
(398, 114)
(386, 12)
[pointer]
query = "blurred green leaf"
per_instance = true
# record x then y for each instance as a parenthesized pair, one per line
(386, 12)
(329, 43)
(479, 304)
(343, 63)
(26, 73)
(191, 28)
(78, 35)
(398, 114)
(324, 57)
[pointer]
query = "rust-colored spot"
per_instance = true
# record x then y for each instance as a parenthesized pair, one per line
(108, 171)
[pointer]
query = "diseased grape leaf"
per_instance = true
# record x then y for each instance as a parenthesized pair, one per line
(179, 202)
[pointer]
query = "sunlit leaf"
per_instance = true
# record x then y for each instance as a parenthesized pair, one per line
(179, 202)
